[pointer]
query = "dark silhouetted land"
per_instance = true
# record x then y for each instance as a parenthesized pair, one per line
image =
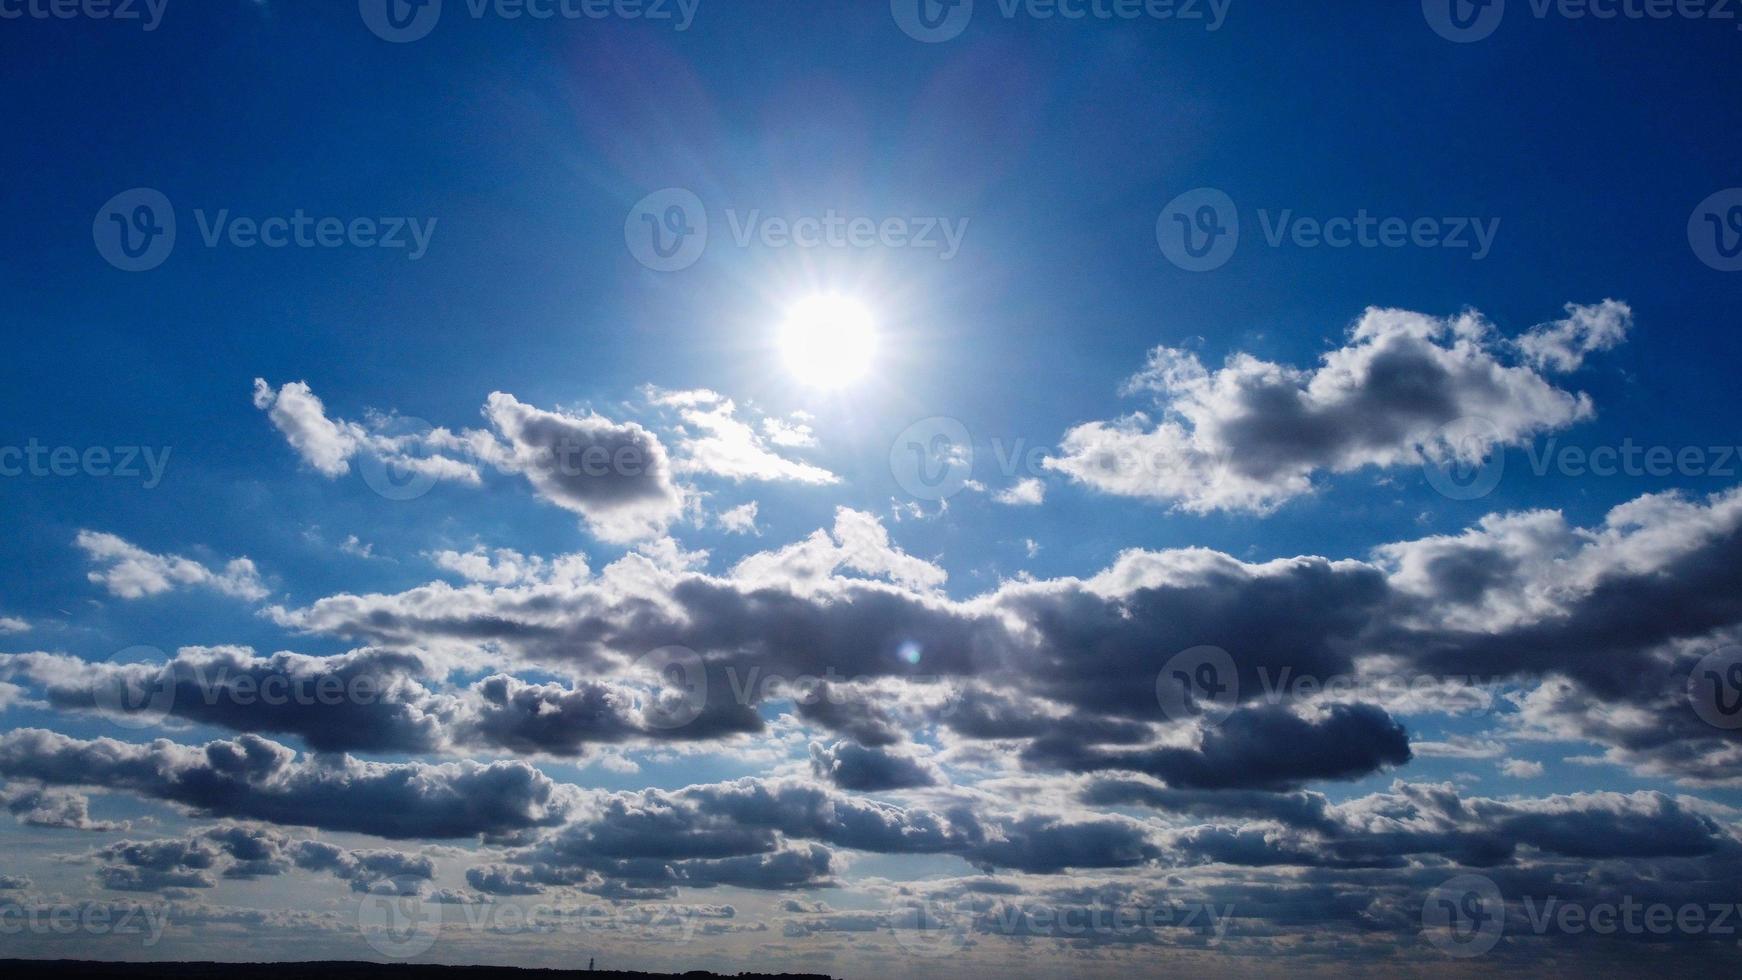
(11, 969)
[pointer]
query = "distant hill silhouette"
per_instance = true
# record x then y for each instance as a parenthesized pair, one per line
(343, 971)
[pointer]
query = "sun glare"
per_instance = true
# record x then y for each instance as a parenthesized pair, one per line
(828, 340)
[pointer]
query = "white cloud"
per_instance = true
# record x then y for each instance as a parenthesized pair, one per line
(1562, 344)
(1026, 492)
(740, 519)
(352, 545)
(505, 566)
(1459, 747)
(616, 475)
(322, 443)
(329, 445)
(131, 572)
(718, 443)
(796, 434)
(1521, 768)
(12, 624)
(1252, 434)
(859, 543)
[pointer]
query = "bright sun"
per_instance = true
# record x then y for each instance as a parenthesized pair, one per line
(828, 340)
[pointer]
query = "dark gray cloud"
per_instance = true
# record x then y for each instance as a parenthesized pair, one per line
(852, 766)
(1296, 809)
(243, 852)
(615, 474)
(254, 778)
(42, 807)
(1264, 747)
(371, 700)
(140, 866)
(1528, 598)
(1047, 844)
(850, 713)
(1254, 434)
(1417, 820)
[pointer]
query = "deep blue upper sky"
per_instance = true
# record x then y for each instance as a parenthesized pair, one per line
(529, 141)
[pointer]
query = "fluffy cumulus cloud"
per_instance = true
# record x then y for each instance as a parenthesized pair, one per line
(774, 834)
(1407, 387)
(397, 448)
(1412, 820)
(128, 571)
(324, 444)
(255, 778)
(1220, 737)
(1017, 733)
(1564, 614)
(1026, 492)
(1562, 345)
(616, 475)
(712, 439)
(856, 767)
(236, 851)
(59, 808)
(740, 519)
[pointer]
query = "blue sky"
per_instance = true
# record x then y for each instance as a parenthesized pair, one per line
(1295, 399)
